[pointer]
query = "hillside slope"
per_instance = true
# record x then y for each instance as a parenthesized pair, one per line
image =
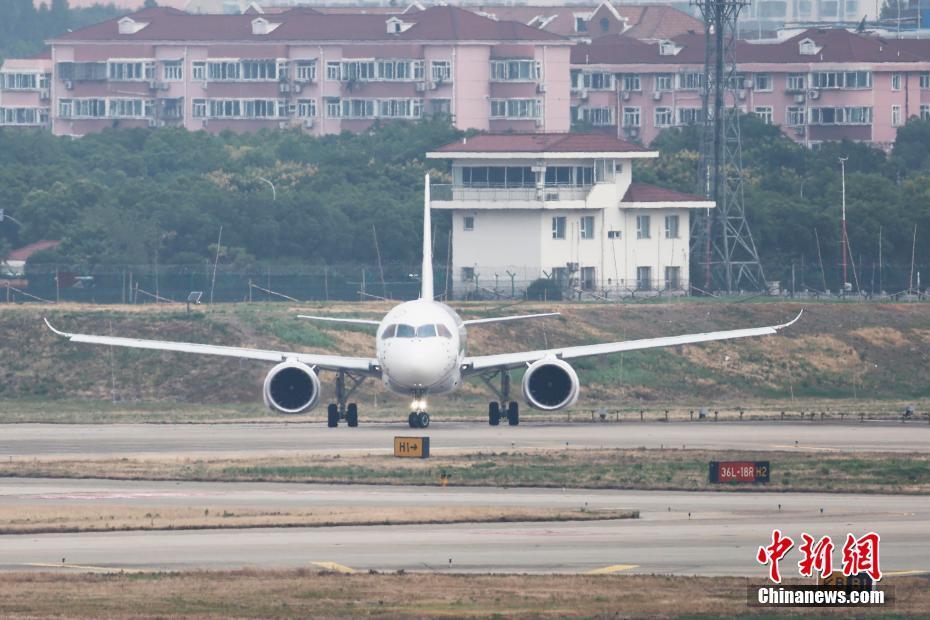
(879, 351)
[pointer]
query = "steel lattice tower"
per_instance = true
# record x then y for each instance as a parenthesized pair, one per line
(723, 243)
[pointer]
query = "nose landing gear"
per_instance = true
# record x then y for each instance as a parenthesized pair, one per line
(418, 418)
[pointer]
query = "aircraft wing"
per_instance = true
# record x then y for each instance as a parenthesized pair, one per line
(333, 319)
(518, 317)
(327, 362)
(515, 360)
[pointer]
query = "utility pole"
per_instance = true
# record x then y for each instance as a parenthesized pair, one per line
(845, 239)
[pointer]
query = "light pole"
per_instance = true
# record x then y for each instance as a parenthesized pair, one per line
(274, 194)
(6, 216)
(845, 239)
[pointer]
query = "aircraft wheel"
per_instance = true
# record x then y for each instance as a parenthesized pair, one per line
(413, 420)
(423, 419)
(494, 413)
(352, 415)
(513, 413)
(332, 415)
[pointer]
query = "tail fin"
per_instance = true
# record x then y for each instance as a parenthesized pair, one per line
(426, 273)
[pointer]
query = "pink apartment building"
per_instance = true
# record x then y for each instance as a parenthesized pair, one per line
(25, 91)
(819, 85)
(323, 72)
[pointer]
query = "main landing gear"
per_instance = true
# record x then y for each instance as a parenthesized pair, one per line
(341, 409)
(418, 418)
(504, 407)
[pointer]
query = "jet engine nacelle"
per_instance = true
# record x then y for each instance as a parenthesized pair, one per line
(291, 387)
(550, 384)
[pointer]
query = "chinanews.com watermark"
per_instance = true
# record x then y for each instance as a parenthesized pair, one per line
(854, 583)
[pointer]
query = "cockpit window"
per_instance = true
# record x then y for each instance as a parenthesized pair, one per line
(406, 331)
(426, 331)
(443, 331)
(388, 332)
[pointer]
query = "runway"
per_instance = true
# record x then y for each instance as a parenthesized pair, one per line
(153, 440)
(718, 537)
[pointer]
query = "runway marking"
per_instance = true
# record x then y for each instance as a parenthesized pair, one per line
(802, 447)
(901, 573)
(84, 567)
(613, 568)
(336, 568)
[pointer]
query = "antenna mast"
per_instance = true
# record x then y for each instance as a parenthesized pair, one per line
(730, 261)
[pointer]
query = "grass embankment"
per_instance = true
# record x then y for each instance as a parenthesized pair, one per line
(837, 351)
(305, 593)
(109, 518)
(591, 469)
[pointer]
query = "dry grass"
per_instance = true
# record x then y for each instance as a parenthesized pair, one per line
(668, 469)
(305, 593)
(108, 517)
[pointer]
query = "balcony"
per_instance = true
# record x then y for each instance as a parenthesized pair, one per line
(550, 193)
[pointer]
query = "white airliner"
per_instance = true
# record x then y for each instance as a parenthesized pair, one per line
(421, 351)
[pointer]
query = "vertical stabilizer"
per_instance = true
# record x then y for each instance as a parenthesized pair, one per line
(426, 273)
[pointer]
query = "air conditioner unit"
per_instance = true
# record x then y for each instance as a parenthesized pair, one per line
(540, 88)
(308, 123)
(631, 132)
(433, 85)
(44, 95)
(153, 85)
(626, 95)
(160, 124)
(291, 109)
(747, 83)
(164, 86)
(552, 196)
(421, 86)
(297, 88)
(284, 87)
(282, 124)
(539, 122)
(813, 94)
(799, 98)
(741, 94)
(205, 123)
(657, 96)
(584, 95)
(153, 122)
(68, 84)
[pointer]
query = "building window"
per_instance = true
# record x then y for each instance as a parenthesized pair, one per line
(764, 113)
(605, 24)
(224, 71)
(19, 81)
(469, 222)
(896, 116)
(65, 108)
(631, 117)
(846, 80)
(599, 117)
(333, 109)
(130, 108)
(763, 82)
(199, 108)
(925, 111)
(305, 71)
(925, 80)
(558, 227)
(672, 278)
(895, 81)
(172, 71)
(690, 116)
(614, 234)
(468, 274)
(794, 116)
(592, 80)
(588, 278)
(515, 108)
(853, 115)
(796, 82)
(671, 227)
(441, 70)
(587, 227)
(690, 81)
(440, 107)
(663, 117)
(642, 226)
(199, 71)
(631, 82)
(306, 108)
(333, 70)
(581, 24)
(663, 81)
(644, 278)
(130, 71)
(514, 70)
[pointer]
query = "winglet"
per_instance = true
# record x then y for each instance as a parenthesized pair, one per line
(59, 333)
(791, 322)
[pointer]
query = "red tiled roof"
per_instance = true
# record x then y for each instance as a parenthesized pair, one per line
(26, 251)
(542, 143)
(837, 45)
(641, 192)
(439, 23)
